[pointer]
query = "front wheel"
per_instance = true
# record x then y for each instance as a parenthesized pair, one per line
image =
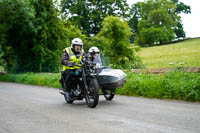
(92, 94)
(109, 94)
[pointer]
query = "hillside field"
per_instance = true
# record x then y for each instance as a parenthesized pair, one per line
(164, 56)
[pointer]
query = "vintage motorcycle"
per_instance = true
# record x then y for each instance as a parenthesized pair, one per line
(84, 84)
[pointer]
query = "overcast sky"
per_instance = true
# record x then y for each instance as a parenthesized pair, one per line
(191, 22)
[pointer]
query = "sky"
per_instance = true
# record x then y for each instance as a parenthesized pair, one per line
(191, 22)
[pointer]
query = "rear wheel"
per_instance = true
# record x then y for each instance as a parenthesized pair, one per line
(92, 94)
(109, 94)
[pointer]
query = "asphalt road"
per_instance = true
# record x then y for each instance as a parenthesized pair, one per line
(33, 109)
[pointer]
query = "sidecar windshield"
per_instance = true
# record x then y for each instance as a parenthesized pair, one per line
(97, 60)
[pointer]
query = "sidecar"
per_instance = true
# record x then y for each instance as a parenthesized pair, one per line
(109, 79)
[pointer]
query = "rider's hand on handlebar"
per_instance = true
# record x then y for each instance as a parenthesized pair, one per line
(92, 63)
(74, 64)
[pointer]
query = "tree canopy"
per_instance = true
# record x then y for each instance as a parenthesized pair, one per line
(149, 12)
(89, 14)
(116, 34)
(180, 8)
(33, 33)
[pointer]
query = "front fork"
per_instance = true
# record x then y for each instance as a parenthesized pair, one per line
(85, 82)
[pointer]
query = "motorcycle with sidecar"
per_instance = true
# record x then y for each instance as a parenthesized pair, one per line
(90, 80)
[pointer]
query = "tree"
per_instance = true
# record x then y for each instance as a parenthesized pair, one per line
(157, 22)
(2, 61)
(89, 14)
(72, 32)
(116, 34)
(2, 41)
(180, 8)
(17, 29)
(135, 16)
(34, 36)
(50, 38)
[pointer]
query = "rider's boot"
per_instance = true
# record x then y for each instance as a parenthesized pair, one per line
(68, 93)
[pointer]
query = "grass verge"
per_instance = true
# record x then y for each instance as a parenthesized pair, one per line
(41, 79)
(174, 85)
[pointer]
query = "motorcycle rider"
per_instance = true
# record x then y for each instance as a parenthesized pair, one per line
(71, 59)
(95, 53)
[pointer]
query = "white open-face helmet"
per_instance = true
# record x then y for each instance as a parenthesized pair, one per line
(76, 41)
(94, 49)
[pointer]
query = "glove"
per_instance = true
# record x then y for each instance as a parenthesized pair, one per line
(74, 64)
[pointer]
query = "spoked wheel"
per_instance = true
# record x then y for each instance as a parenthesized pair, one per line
(109, 94)
(92, 94)
(68, 98)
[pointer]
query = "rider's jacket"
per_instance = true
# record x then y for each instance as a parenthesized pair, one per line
(70, 57)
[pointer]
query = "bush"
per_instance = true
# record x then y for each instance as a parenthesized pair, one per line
(173, 85)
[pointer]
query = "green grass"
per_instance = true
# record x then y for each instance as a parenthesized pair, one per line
(160, 56)
(42, 79)
(173, 85)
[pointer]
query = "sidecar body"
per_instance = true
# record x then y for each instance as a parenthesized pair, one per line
(110, 78)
